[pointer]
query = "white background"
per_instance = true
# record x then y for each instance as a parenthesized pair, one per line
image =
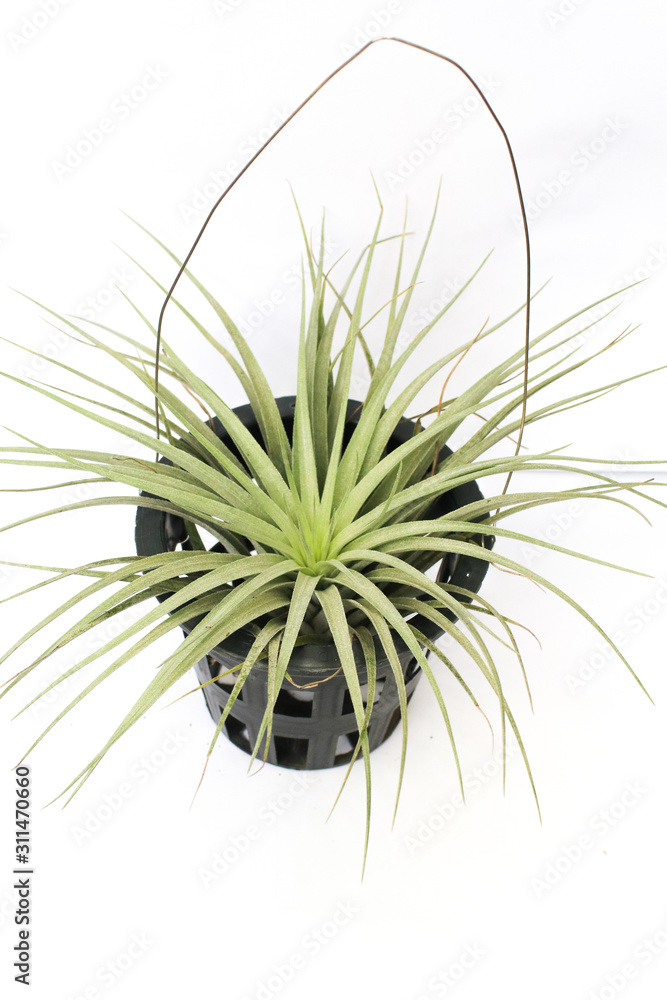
(147, 897)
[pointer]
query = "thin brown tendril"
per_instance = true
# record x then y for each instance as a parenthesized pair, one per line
(452, 62)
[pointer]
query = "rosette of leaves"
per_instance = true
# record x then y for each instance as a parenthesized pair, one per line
(319, 542)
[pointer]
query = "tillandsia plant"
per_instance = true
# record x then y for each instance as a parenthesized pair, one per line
(316, 542)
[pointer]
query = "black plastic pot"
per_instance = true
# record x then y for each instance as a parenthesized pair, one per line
(314, 725)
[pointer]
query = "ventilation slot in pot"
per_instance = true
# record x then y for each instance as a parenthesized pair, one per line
(290, 751)
(295, 703)
(238, 733)
(345, 747)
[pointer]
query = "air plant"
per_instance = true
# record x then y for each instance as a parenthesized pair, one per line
(316, 541)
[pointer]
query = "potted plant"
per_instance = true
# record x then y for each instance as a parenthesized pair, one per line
(292, 539)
